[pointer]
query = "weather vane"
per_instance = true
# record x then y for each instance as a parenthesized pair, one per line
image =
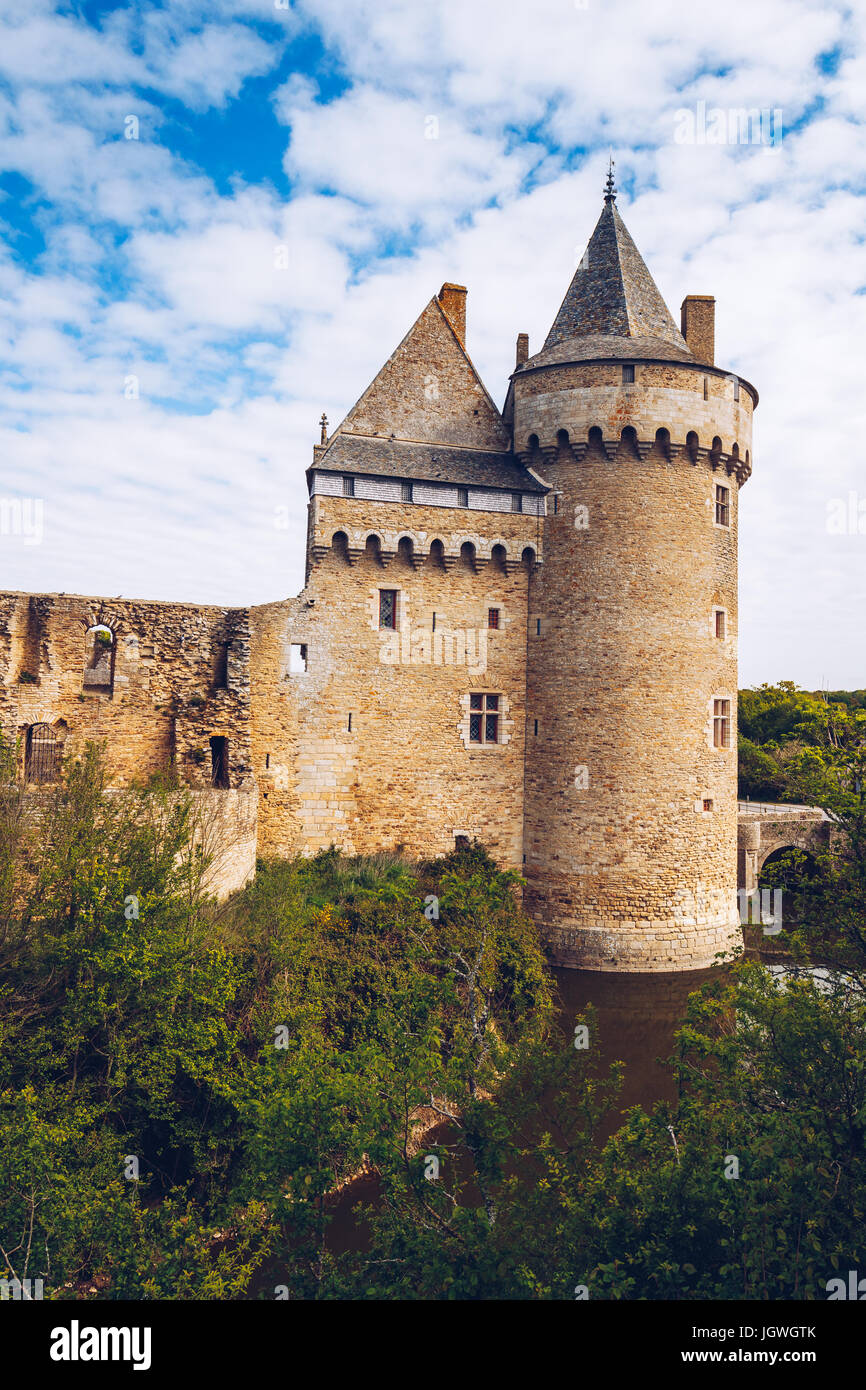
(610, 186)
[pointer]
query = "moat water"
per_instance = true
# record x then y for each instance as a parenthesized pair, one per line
(636, 1019)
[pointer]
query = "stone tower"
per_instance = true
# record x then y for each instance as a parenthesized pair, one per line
(630, 832)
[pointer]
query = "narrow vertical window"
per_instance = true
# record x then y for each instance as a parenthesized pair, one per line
(538, 627)
(517, 501)
(706, 388)
(406, 492)
(536, 728)
(349, 730)
(736, 388)
(483, 718)
(433, 627)
(221, 666)
(463, 497)
(723, 505)
(493, 617)
(627, 375)
(219, 762)
(388, 608)
(348, 487)
(720, 622)
(721, 723)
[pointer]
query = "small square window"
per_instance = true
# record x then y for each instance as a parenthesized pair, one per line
(723, 505)
(493, 618)
(463, 497)
(388, 608)
(348, 487)
(720, 622)
(406, 492)
(484, 726)
(628, 375)
(708, 805)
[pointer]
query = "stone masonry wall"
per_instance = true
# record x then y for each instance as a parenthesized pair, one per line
(626, 869)
(404, 773)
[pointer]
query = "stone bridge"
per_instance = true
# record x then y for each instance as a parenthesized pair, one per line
(764, 827)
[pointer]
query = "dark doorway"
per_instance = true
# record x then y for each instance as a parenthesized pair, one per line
(43, 755)
(219, 762)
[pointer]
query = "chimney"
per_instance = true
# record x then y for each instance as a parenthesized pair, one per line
(522, 349)
(453, 301)
(698, 326)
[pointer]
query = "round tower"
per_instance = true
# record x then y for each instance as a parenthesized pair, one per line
(630, 834)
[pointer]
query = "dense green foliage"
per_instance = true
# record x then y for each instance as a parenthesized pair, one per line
(371, 1015)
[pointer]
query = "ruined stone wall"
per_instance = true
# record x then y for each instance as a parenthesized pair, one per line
(626, 869)
(404, 773)
(173, 677)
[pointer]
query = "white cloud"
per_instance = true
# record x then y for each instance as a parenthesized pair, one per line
(148, 269)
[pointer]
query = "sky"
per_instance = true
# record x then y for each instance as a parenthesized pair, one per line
(217, 221)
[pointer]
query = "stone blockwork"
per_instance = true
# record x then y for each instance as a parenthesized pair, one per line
(365, 748)
(560, 577)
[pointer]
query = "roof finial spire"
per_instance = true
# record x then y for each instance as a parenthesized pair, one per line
(610, 186)
(324, 423)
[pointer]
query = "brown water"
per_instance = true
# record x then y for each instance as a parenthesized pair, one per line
(636, 1018)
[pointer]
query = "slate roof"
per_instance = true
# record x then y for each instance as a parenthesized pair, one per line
(435, 463)
(612, 307)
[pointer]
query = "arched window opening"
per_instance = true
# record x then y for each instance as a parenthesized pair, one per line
(99, 658)
(467, 555)
(340, 545)
(499, 555)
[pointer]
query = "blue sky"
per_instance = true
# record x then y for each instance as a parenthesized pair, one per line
(178, 308)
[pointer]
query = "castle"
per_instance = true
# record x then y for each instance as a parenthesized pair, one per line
(516, 626)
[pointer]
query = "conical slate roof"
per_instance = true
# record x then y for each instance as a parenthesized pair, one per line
(613, 307)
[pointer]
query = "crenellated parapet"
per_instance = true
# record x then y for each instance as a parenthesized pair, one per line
(468, 548)
(669, 409)
(727, 456)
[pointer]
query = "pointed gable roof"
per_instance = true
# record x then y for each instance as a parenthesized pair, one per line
(613, 306)
(428, 392)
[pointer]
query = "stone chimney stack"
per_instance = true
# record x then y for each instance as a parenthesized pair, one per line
(522, 349)
(698, 326)
(453, 301)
